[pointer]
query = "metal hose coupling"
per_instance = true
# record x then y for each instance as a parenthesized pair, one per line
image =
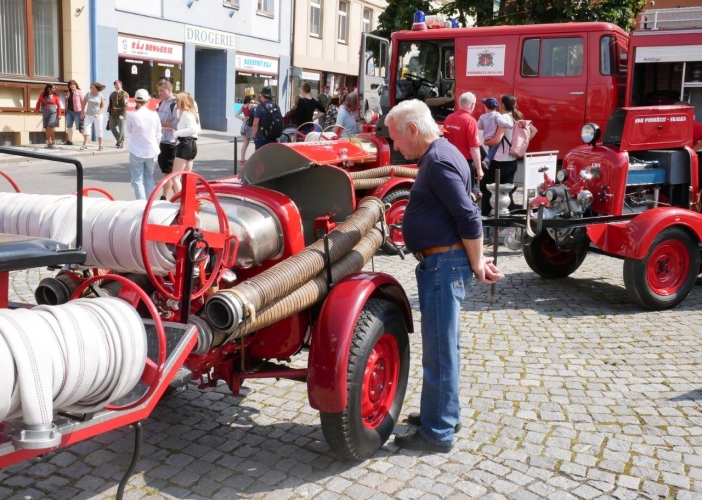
(227, 308)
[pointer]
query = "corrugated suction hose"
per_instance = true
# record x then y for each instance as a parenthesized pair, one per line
(369, 183)
(385, 172)
(226, 308)
(315, 289)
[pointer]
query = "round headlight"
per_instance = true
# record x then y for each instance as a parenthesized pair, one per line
(370, 116)
(562, 175)
(590, 133)
(585, 198)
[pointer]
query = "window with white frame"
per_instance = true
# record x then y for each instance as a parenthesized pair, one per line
(367, 21)
(316, 17)
(342, 34)
(231, 3)
(265, 7)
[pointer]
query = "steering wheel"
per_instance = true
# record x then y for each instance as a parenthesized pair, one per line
(221, 243)
(423, 82)
(302, 135)
(333, 127)
(132, 294)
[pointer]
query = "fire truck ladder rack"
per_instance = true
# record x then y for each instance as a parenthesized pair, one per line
(658, 19)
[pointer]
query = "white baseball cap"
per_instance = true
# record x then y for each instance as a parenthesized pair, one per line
(142, 95)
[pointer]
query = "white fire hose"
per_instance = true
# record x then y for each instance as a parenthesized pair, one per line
(111, 229)
(77, 357)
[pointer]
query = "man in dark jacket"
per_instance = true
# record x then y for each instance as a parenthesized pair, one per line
(117, 111)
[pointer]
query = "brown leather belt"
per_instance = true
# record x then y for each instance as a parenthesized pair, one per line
(431, 251)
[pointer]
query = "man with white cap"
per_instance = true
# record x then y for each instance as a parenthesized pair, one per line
(144, 128)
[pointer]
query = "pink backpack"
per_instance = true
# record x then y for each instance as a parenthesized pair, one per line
(520, 138)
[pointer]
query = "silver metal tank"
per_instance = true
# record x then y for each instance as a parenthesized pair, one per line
(258, 230)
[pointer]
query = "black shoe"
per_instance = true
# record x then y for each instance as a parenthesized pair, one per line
(164, 198)
(413, 419)
(119, 145)
(415, 441)
(67, 143)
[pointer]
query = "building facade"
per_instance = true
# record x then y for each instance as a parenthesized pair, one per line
(210, 48)
(41, 42)
(327, 39)
(213, 49)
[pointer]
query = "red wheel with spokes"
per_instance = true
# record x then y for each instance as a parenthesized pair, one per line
(667, 274)
(377, 373)
(11, 181)
(397, 200)
(133, 295)
(550, 262)
(380, 381)
(89, 189)
(220, 243)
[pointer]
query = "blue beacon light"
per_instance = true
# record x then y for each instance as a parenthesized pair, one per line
(419, 23)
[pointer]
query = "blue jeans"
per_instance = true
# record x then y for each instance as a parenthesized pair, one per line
(260, 142)
(142, 176)
(442, 280)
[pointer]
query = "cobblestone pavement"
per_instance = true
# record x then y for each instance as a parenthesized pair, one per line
(568, 391)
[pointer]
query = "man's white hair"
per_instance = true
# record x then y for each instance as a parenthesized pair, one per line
(466, 100)
(412, 111)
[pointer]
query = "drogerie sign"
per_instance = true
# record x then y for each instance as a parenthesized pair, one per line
(209, 38)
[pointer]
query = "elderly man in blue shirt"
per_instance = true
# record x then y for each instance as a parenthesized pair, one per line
(443, 229)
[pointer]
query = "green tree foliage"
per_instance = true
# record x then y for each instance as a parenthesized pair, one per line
(398, 15)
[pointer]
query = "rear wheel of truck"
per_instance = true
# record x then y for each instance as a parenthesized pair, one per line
(393, 217)
(666, 275)
(548, 261)
(377, 374)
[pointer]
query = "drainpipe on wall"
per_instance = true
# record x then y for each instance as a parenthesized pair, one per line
(292, 52)
(93, 49)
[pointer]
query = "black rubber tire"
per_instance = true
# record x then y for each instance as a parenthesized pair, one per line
(345, 432)
(547, 266)
(636, 272)
(390, 198)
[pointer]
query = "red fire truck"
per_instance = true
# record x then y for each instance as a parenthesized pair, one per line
(563, 75)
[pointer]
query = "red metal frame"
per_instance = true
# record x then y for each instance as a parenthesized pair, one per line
(333, 331)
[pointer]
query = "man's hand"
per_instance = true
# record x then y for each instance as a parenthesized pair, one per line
(479, 174)
(487, 272)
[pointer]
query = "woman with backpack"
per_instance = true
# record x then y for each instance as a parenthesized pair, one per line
(245, 114)
(504, 160)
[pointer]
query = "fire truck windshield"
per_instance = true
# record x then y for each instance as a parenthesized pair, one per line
(418, 60)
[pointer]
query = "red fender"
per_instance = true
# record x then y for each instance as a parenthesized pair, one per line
(382, 156)
(331, 338)
(391, 185)
(632, 240)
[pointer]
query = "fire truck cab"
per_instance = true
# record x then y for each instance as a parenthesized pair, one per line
(563, 75)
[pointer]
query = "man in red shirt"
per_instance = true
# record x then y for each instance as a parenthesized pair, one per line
(462, 131)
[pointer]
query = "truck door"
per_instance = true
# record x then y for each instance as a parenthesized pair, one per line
(551, 88)
(372, 72)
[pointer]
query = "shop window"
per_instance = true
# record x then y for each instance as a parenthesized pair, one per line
(266, 7)
(367, 21)
(30, 49)
(342, 35)
(140, 74)
(316, 18)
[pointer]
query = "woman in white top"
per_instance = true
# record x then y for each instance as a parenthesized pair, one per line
(186, 135)
(144, 128)
(505, 162)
